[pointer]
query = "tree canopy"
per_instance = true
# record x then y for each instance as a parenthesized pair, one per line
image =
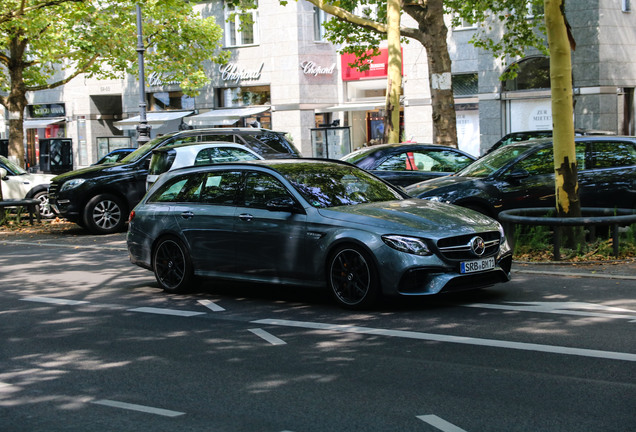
(46, 43)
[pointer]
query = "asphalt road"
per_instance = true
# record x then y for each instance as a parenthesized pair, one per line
(90, 343)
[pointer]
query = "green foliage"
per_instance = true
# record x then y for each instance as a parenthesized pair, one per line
(523, 24)
(99, 38)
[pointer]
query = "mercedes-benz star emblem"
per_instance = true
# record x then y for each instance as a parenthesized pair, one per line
(477, 246)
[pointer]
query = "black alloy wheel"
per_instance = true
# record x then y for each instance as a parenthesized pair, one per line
(352, 278)
(105, 214)
(172, 265)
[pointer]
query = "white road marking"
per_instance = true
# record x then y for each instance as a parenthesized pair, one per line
(211, 305)
(562, 308)
(440, 423)
(161, 311)
(51, 300)
(140, 408)
(611, 355)
(268, 336)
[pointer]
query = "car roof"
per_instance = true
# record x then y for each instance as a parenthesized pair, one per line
(198, 145)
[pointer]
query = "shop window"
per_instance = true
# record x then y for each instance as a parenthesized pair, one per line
(243, 96)
(241, 26)
(532, 73)
(163, 101)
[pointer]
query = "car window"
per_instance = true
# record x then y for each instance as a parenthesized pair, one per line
(220, 187)
(222, 154)
(183, 140)
(399, 162)
(612, 154)
(441, 161)
(540, 162)
(216, 137)
(261, 188)
(277, 142)
(161, 161)
(180, 189)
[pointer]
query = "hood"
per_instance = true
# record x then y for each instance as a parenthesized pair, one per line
(95, 171)
(426, 187)
(414, 215)
(37, 179)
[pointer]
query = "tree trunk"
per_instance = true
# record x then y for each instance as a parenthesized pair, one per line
(16, 101)
(394, 79)
(566, 182)
(433, 33)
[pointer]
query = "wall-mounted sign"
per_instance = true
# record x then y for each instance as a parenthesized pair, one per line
(378, 67)
(156, 79)
(234, 73)
(311, 68)
(47, 110)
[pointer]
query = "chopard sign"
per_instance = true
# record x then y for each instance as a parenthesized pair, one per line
(155, 79)
(311, 68)
(232, 72)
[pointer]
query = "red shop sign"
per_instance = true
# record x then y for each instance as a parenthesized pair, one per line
(379, 66)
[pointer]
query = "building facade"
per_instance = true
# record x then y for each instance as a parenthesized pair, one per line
(288, 78)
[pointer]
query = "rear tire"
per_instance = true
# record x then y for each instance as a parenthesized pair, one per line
(45, 209)
(172, 265)
(105, 214)
(352, 278)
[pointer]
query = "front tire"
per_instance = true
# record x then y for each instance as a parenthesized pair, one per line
(172, 265)
(352, 278)
(105, 214)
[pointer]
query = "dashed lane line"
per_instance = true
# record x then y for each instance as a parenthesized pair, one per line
(162, 311)
(267, 336)
(140, 408)
(440, 423)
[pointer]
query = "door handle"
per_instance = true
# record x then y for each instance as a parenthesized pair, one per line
(246, 217)
(187, 215)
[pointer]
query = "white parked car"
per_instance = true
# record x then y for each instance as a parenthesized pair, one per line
(19, 184)
(169, 158)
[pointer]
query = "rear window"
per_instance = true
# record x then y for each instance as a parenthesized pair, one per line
(278, 142)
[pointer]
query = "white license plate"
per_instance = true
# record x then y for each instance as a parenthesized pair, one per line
(477, 265)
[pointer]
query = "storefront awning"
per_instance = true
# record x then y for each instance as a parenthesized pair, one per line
(153, 119)
(41, 122)
(223, 116)
(367, 106)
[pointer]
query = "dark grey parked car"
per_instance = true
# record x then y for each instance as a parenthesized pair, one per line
(311, 223)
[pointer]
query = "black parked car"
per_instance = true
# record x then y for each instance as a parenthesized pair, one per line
(99, 198)
(405, 164)
(514, 137)
(522, 175)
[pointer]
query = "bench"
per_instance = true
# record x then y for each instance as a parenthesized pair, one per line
(31, 205)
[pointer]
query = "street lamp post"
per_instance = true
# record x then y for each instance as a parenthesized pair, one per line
(143, 129)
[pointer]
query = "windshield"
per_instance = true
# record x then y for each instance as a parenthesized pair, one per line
(493, 162)
(11, 167)
(355, 156)
(143, 151)
(332, 185)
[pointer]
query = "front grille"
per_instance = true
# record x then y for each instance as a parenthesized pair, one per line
(53, 188)
(458, 248)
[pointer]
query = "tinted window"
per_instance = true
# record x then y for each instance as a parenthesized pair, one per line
(540, 162)
(160, 162)
(432, 160)
(261, 188)
(217, 137)
(612, 154)
(277, 142)
(208, 188)
(222, 154)
(180, 189)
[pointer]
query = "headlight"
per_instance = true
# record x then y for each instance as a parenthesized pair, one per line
(71, 184)
(412, 245)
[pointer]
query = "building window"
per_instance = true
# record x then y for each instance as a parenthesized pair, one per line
(164, 101)
(461, 23)
(626, 5)
(241, 26)
(465, 84)
(320, 17)
(533, 73)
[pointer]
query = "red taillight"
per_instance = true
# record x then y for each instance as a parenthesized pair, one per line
(131, 216)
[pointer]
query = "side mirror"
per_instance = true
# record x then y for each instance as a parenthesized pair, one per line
(283, 204)
(519, 174)
(3, 173)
